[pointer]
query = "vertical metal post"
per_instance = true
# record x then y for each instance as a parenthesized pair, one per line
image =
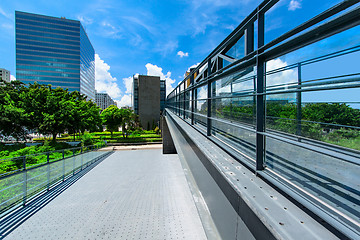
(184, 103)
(249, 39)
(63, 167)
(249, 47)
(231, 100)
(82, 157)
(73, 162)
(178, 99)
(48, 171)
(254, 102)
(24, 180)
(260, 118)
(192, 105)
(208, 125)
(298, 104)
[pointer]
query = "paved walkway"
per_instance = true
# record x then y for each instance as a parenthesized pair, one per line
(134, 194)
(132, 147)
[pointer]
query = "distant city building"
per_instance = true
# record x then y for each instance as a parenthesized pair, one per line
(103, 100)
(149, 99)
(54, 51)
(5, 74)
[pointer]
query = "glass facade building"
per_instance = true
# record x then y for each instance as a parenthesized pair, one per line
(54, 51)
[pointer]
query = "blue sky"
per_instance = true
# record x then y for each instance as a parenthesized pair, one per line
(151, 37)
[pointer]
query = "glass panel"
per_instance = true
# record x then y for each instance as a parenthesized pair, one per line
(286, 15)
(243, 140)
(332, 180)
(238, 50)
(201, 92)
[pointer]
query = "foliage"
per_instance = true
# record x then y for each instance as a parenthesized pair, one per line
(87, 139)
(20, 149)
(130, 121)
(12, 116)
(157, 130)
(111, 117)
(319, 120)
(45, 110)
(334, 113)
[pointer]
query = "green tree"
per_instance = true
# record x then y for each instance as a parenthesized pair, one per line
(12, 116)
(130, 121)
(125, 120)
(335, 113)
(34, 102)
(56, 112)
(112, 118)
(84, 115)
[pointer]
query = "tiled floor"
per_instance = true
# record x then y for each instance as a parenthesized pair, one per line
(134, 194)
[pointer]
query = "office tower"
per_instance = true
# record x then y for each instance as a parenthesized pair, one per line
(149, 94)
(54, 51)
(103, 100)
(5, 74)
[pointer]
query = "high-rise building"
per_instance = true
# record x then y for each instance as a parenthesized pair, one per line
(103, 100)
(5, 74)
(149, 99)
(54, 51)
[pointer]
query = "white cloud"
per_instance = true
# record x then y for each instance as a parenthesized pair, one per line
(202, 94)
(182, 54)
(85, 20)
(294, 4)
(104, 82)
(153, 70)
(109, 30)
(7, 25)
(139, 22)
(125, 101)
(166, 47)
(128, 84)
(230, 27)
(12, 78)
(8, 16)
(193, 66)
(283, 78)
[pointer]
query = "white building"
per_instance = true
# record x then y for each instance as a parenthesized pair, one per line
(103, 100)
(5, 75)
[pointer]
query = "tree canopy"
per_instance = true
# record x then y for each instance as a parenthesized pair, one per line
(113, 117)
(43, 109)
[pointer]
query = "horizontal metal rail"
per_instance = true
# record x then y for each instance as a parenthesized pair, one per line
(293, 157)
(17, 189)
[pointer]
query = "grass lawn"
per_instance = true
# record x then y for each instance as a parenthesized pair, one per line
(117, 137)
(353, 143)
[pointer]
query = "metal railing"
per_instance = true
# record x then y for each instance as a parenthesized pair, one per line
(20, 186)
(232, 105)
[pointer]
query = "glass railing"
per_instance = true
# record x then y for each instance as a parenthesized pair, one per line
(31, 175)
(291, 107)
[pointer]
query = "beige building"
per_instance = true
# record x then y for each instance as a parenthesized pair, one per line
(103, 100)
(5, 74)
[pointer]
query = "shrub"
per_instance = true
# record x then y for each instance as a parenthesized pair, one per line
(87, 139)
(157, 130)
